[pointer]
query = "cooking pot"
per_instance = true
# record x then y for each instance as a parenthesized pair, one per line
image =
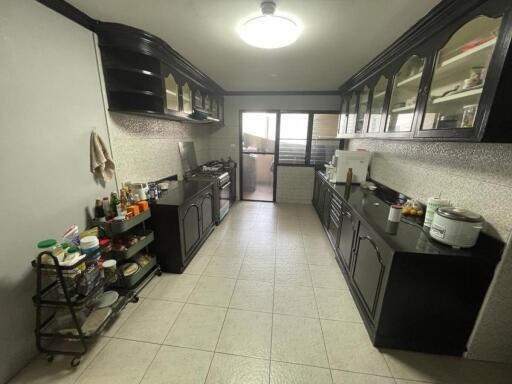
(457, 227)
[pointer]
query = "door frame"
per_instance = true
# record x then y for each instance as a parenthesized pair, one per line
(276, 151)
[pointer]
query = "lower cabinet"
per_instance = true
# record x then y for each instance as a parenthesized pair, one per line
(348, 230)
(369, 269)
(411, 293)
(181, 229)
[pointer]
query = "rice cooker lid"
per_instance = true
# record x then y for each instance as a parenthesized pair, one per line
(459, 214)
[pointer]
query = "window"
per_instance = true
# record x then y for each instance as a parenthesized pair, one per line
(307, 138)
(293, 135)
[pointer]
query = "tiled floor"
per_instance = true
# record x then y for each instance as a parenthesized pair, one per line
(262, 302)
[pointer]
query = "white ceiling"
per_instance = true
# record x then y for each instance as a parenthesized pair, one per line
(339, 37)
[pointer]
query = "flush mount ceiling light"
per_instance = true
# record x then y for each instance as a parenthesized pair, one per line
(269, 30)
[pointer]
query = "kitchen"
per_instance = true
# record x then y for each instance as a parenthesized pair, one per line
(264, 266)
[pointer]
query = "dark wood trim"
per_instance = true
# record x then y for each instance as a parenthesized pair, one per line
(309, 137)
(281, 93)
(443, 14)
(71, 12)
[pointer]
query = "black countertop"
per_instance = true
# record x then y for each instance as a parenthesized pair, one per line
(181, 192)
(372, 208)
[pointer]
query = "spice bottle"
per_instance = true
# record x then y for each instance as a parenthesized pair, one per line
(106, 207)
(99, 213)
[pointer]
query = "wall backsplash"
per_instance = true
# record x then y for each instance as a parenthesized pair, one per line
(476, 176)
(473, 176)
(147, 149)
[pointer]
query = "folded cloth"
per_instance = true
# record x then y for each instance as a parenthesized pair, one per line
(102, 165)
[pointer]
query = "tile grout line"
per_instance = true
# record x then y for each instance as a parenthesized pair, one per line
(272, 321)
(220, 332)
(88, 365)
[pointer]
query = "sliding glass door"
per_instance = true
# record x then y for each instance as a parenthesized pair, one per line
(258, 147)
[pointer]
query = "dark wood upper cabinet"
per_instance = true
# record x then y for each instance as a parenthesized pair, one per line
(144, 75)
(446, 79)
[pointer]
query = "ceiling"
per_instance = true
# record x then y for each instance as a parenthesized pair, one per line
(339, 37)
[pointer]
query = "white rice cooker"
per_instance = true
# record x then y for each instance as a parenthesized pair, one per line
(457, 227)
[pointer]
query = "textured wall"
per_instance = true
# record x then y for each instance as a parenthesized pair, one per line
(147, 149)
(295, 184)
(472, 175)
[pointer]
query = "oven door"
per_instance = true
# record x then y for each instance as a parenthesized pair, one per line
(224, 199)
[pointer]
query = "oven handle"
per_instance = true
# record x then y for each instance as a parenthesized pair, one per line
(225, 185)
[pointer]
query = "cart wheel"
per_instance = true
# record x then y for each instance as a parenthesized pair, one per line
(159, 272)
(75, 362)
(135, 299)
(49, 358)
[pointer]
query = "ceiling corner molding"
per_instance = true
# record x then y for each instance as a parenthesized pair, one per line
(441, 15)
(282, 93)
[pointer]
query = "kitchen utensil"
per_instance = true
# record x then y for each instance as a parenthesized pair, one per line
(457, 227)
(107, 299)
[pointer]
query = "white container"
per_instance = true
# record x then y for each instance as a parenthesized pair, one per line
(357, 160)
(90, 245)
(456, 227)
(432, 204)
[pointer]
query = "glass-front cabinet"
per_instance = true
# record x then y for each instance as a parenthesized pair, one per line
(198, 99)
(352, 114)
(454, 84)
(343, 118)
(460, 70)
(207, 103)
(215, 108)
(171, 93)
(377, 112)
(361, 111)
(187, 98)
(404, 95)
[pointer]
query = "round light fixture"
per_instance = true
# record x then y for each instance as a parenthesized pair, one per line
(269, 30)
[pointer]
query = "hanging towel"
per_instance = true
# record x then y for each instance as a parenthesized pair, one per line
(102, 165)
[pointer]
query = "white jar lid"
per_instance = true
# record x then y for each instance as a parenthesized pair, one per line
(109, 263)
(89, 242)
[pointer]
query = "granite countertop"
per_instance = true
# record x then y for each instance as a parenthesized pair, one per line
(372, 209)
(181, 192)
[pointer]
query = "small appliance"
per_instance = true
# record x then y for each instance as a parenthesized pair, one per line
(457, 227)
(357, 160)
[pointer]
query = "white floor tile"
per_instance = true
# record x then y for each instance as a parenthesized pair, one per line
(344, 377)
(120, 362)
(336, 305)
(350, 349)
(174, 365)
(150, 321)
(229, 369)
(298, 340)
(197, 326)
(327, 277)
(253, 296)
(223, 267)
(174, 287)
(246, 333)
(292, 274)
(257, 270)
(295, 300)
(283, 373)
(213, 291)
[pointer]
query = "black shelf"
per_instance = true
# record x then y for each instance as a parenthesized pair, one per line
(134, 249)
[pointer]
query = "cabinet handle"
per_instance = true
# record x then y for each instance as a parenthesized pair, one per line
(372, 242)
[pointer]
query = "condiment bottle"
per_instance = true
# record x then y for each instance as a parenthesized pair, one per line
(99, 213)
(106, 207)
(348, 181)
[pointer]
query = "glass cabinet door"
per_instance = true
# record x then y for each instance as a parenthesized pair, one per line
(198, 99)
(215, 108)
(352, 113)
(459, 75)
(361, 111)
(377, 109)
(406, 85)
(207, 104)
(342, 121)
(171, 93)
(187, 98)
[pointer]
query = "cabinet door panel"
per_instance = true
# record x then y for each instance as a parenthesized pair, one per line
(171, 93)
(362, 109)
(377, 112)
(459, 76)
(346, 242)
(342, 122)
(368, 271)
(191, 227)
(404, 95)
(352, 114)
(206, 212)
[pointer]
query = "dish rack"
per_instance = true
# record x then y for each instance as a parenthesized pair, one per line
(57, 296)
